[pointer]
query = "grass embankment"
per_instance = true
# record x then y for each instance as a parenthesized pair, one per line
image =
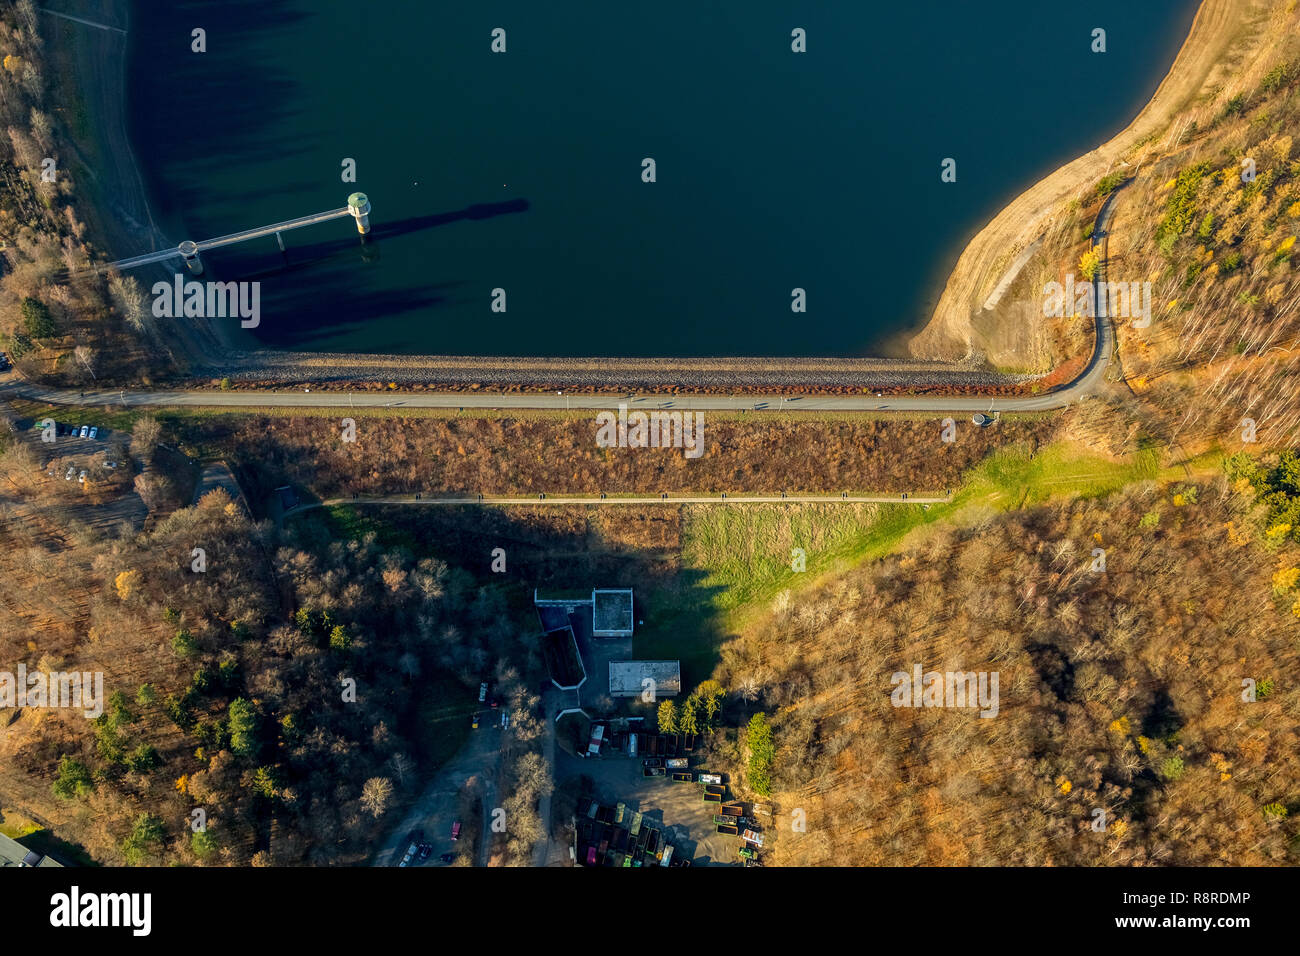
(118, 418)
(745, 552)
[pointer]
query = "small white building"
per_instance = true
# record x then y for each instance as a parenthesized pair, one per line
(634, 678)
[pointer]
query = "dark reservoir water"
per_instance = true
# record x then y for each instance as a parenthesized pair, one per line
(522, 171)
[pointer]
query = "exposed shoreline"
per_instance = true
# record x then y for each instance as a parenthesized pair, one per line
(946, 355)
(970, 297)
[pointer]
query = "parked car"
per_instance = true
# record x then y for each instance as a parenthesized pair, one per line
(505, 720)
(652, 762)
(85, 431)
(493, 703)
(482, 692)
(110, 465)
(94, 431)
(447, 857)
(425, 850)
(81, 478)
(72, 472)
(4, 361)
(455, 830)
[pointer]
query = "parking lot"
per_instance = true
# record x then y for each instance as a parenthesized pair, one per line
(676, 808)
(79, 453)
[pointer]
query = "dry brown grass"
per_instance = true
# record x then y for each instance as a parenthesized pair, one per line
(530, 455)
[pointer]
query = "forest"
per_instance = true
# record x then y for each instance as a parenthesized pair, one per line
(292, 687)
(1150, 696)
(67, 331)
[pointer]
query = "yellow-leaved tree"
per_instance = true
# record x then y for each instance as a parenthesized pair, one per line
(126, 582)
(1089, 261)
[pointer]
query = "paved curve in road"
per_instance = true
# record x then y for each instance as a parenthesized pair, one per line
(1091, 380)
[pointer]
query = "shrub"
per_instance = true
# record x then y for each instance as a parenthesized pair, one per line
(143, 759)
(762, 753)
(1109, 184)
(146, 835)
(183, 643)
(74, 779)
(203, 843)
(243, 728)
(1180, 210)
(1172, 768)
(37, 319)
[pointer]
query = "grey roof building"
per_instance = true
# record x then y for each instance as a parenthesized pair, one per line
(629, 678)
(13, 853)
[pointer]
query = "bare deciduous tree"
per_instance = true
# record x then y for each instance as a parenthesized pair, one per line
(144, 437)
(375, 794)
(86, 357)
(129, 299)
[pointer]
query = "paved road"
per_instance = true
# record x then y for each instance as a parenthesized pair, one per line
(439, 804)
(542, 851)
(489, 804)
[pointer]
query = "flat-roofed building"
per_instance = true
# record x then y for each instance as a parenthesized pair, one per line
(611, 612)
(629, 678)
(13, 853)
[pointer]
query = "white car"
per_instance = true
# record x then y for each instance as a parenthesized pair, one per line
(81, 478)
(505, 720)
(85, 431)
(72, 471)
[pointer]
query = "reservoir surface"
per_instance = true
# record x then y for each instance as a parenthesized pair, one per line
(523, 170)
